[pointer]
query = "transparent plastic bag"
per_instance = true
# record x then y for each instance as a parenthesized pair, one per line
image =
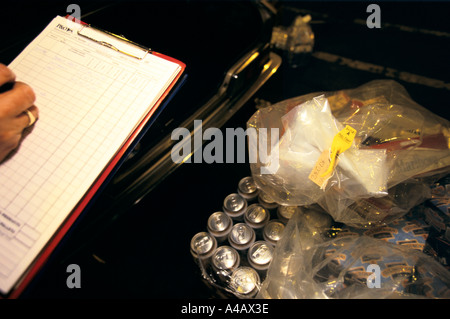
(309, 263)
(238, 272)
(375, 211)
(396, 141)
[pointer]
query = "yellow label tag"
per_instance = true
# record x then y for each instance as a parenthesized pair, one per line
(327, 161)
(344, 139)
(341, 142)
(317, 173)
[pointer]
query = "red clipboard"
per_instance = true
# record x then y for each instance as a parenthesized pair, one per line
(77, 211)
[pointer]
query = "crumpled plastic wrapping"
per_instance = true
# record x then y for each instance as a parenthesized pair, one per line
(310, 262)
(399, 149)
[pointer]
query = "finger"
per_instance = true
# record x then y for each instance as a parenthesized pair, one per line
(16, 125)
(6, 75)
(9, 145)
(28, 120)
(17, 100)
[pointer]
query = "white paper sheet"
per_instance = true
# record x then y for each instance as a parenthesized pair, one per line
(90, 99)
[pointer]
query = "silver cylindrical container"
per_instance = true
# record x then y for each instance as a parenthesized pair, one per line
(266, 201)
(224, 261)
(245, 282)
(285, 213)
(259, 256)
(241, 237)
(235, 206)
(257, 217)
(247, 188)
(219, 225)
(317, 217)
(203, 245)
(273, 231)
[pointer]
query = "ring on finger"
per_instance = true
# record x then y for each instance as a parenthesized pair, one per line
(31, 117)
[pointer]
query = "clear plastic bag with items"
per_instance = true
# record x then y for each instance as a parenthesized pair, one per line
(398, 144)
(310, 262)
(222, 268)
(234, 256)
(236, 266)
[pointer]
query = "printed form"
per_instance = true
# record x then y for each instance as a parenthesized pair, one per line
(90, 99)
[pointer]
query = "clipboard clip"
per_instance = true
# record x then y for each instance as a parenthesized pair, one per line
(113, 41)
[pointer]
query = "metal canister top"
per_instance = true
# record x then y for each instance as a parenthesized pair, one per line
(234, 205)
(245, 282)
(285, 213)
(247, 188)
(219, 224)
(256, 216)
(318, 218)
(260, 255)
(225, 258)
(241, 236)
(267, 201)
(273, 231)
(203, 245)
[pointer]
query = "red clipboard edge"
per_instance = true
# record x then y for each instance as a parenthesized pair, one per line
(58, 236)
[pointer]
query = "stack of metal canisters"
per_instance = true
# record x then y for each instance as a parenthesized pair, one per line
(235, 251)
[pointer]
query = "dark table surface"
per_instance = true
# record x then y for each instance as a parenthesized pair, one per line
(144, 252)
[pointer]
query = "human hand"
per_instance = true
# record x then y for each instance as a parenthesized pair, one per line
(14, 104)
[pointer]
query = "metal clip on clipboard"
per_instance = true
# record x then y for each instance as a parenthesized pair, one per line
(113, 41)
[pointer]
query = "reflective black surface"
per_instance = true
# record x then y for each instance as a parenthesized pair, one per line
(143, 251)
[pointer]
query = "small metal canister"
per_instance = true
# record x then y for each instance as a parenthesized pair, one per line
(235, 206)
(203, 245)
(259, 256)
(219, 225)
(317, 217)
(245, 282)
(273, 231)
(285, 213)
(257, 217)
(224, 261)
(241, 237)
(266, 201)
(247, 188)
